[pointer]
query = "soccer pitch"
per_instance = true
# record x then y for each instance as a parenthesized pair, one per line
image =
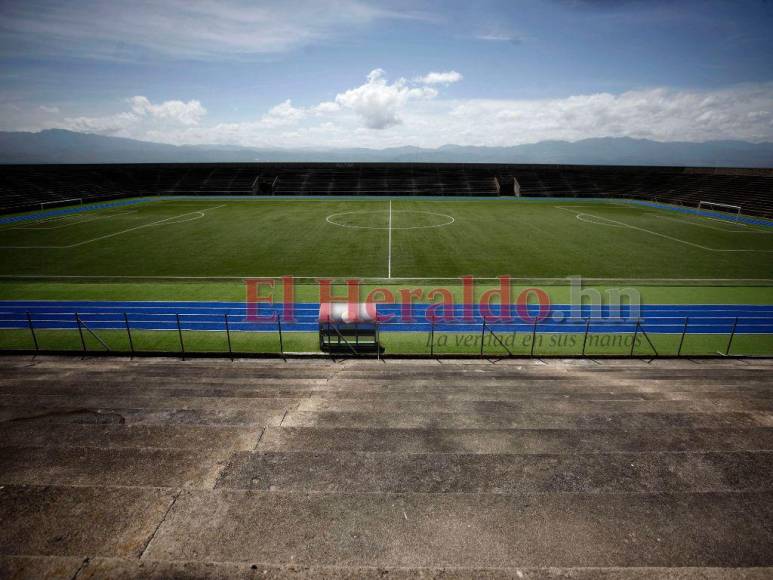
(387, 239)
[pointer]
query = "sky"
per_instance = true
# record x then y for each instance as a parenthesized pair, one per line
(368, 73)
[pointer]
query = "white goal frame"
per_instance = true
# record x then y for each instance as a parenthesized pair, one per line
(723, 207)
(62, 202)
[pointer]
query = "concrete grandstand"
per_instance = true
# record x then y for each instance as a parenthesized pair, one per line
(24, 187)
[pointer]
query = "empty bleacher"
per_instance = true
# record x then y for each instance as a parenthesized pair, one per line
(385, 180)
(751, 189)
(24, 187)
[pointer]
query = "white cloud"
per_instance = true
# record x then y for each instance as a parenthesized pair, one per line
(377, 102)
(49, 110)
(659, 114)
(514, 39)
(283, 114)
(118, 124)
(143, 114)
(380, 114)
(326, 107)
(441, 78)
(197, 29)
(189, 113)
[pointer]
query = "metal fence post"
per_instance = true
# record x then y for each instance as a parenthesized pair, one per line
(32, 331)
(585, 340)
(732, 335)
(378, 341)
(281, 340)
(482, 336)
(129, 333)
(80, 331)
(684, 332)
(228, 335)
(635, 336)
(180, 334)
(533, 336)
(432, 338)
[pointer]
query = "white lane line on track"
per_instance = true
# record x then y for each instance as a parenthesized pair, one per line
(111, 235)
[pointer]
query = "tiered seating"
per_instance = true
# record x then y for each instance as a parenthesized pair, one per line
(27, 186)
(384, 180)
(751, 189)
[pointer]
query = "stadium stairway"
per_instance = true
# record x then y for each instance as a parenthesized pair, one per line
(158, 468)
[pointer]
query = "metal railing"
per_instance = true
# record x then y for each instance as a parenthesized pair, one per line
(123, 332)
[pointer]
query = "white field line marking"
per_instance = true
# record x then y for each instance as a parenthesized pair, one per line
(111, 235)
(696, 223)
(672, 238)
(82, 219)
(330, 219)
(19, 225)
(366, 278)
(579, 217)
(658, 212)
(389, 262)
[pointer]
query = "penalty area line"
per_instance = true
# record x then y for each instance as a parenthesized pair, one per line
(111, 235)
(665, 236)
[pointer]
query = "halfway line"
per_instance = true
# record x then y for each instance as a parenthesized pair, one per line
(389, 258)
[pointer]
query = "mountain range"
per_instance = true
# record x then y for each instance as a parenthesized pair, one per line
(60, 146)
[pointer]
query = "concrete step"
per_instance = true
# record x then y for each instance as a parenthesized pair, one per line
(513, 440)
(468, 530)
(610, 406)
(30, 433)
(121, 569)
(566, 394)
(142, 401)
(339, 388)
(93, 466)
(172, 415)
(21, 567)
(417, 419)
(535, 386)
(359, 472)
(140, 390)
(173, 381)
(79, 521)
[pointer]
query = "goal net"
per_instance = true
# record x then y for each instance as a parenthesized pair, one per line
(734, 210)
(61, 203)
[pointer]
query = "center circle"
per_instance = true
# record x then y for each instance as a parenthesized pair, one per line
(359, 219)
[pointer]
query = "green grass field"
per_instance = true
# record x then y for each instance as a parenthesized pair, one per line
(417, 239)
(202, 249)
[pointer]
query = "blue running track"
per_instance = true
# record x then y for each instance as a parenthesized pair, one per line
(211, 316)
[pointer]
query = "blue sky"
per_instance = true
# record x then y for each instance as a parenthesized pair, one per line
(340, 73)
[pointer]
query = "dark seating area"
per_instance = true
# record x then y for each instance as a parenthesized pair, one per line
(25, 187)
(386, 180)
(752, 189)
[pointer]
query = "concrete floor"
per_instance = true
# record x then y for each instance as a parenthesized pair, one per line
(160, 468)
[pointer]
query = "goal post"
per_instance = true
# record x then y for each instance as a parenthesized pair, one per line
(61, 203)
(735, 210)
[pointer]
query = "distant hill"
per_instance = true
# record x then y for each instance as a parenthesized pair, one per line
(59, 146)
